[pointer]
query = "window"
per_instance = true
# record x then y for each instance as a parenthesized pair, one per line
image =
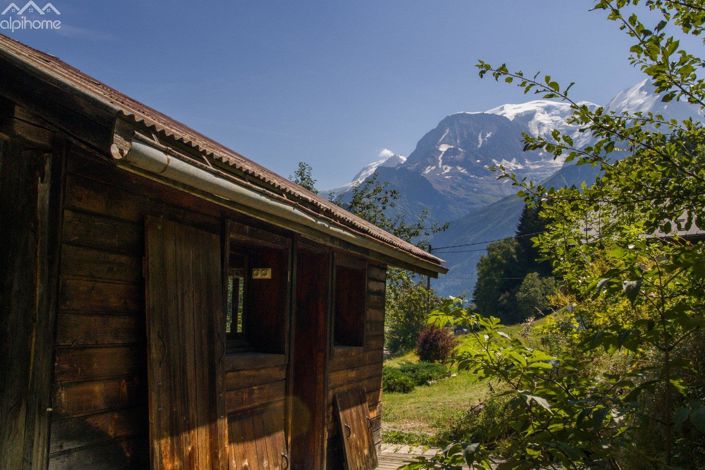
(235, 296)
(350, 301)
(256, 289)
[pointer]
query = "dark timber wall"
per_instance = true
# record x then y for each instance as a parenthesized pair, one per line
(100, 394)
(360, 366)
(74, 257)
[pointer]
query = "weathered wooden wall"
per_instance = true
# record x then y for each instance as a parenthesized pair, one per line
(361, 367)
(99, 395)
(255, 404)
(30, 193)
(100, 391)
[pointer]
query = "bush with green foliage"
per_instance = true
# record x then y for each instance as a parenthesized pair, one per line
(424, 373)
(435, 344)
(483, 423)
(394, 380)
(406, 311)
(533, 296)
(624, 387)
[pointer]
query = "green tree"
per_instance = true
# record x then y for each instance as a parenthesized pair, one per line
(532, 297)
(531, 225)
(497, 273)
(376, 203)
(501, 271)
(303, 176)
(406, 310)
(625, 386)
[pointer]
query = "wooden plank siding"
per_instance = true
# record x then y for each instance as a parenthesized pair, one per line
(99, 396)
(186, 344)
(360, 367)
(99, 414)
(31, 175)
(255, 402)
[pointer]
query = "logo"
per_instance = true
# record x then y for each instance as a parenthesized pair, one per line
(30, 17)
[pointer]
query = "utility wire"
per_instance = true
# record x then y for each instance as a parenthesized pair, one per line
(485, 242)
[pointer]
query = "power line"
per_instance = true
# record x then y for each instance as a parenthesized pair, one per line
(486, 241)
(461, 251)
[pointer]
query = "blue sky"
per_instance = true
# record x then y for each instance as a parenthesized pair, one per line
(331, 82)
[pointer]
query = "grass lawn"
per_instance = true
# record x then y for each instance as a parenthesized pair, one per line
(430, 408)
(413, 417)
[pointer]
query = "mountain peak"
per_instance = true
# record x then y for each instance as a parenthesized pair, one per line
(642, 98)
(385, 159)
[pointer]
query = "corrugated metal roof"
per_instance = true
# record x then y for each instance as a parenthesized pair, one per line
(56, 69)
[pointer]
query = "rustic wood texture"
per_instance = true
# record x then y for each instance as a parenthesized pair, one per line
(360, 367)
(354, 419)
(101, 358)
(102, 313)
(349, 305)
(257, 440)
(310, 358)
(184, 312)
(30, 201)
(268, 300)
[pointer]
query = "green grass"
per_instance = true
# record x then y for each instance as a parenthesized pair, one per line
(399, 360)
(414, 418)
(430, 408)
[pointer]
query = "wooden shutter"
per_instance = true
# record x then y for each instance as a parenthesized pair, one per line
(185, 343)
(354, 419)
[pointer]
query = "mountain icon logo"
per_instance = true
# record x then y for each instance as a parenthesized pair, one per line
(31, 8)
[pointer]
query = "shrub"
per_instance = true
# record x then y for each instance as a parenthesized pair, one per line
(394, 380)
(486, 423)
(435, 344)
(424, 373)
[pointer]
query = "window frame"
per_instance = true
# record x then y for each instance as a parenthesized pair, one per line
(250, 237)
(348, 262)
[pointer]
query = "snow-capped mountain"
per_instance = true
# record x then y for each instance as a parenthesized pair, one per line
(643, 98)
(386, 159)
(457, 157)
(448, 173)
(541, 117)
(500, 218)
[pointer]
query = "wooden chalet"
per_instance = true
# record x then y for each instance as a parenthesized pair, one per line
(166, 302)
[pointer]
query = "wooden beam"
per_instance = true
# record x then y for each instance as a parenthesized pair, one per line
(30, 214)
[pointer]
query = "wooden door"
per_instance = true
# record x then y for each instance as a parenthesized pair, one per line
(310, 356)
(185, 347)
(354, 421)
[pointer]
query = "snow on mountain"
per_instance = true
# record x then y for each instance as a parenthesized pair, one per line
(500, 218)
(457, 156)
(643, 98)
(540, 117)
(448, 173)
(386, 159)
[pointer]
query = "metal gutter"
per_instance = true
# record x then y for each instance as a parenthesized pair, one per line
(158, 163)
